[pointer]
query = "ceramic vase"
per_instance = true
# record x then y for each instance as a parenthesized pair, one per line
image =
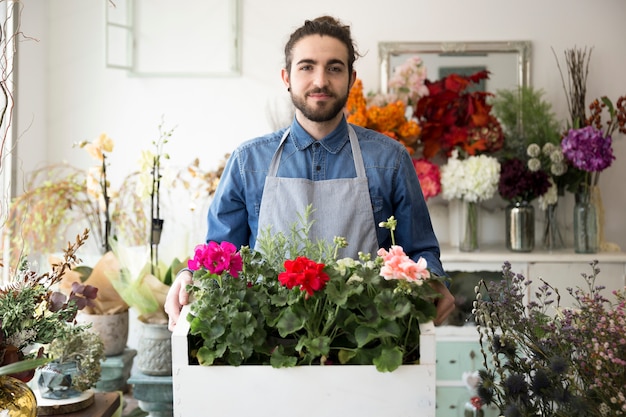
(154, 351)
(112, 329)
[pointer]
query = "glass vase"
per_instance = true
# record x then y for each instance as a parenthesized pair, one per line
(470, 410)
(468, 223)
(16, 398)
(552, 238)
(520, 227)
(585, 224)
(55, 380)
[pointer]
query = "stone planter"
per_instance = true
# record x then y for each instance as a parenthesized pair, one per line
(154, 352)
(112, 329)
(341, 390)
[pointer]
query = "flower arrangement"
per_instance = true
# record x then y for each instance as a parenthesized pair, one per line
(387, 113)
(593, 131)
(549, 159)
(518, 183)
(79, 344)
(429, 176)
(452, 116)
(293, 303)
(407, 84)
(61, 197)
(545, 359)
(388, 118)
(473, 179)
(34, 312)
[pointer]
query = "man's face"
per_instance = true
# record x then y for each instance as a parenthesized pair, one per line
(319, 79)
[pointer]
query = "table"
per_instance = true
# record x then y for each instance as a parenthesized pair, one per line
(105, 405)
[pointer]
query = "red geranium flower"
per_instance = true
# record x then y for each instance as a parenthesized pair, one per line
(304, 273)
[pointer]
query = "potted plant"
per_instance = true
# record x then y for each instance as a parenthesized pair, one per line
(314, 321)
(526, 117)
(76, 366)
(34, 312)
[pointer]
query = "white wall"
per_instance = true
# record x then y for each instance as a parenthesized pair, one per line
(67, 94)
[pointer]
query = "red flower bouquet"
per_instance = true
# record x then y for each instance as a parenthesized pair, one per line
(451, 116)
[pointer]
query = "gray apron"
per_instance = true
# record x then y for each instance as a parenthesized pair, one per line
(341, 207)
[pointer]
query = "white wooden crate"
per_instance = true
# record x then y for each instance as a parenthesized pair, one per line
(263, 391)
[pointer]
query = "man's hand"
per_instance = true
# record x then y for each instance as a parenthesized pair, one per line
(177, 297)
(445, 304)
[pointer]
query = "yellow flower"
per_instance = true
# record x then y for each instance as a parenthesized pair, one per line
(104, 142)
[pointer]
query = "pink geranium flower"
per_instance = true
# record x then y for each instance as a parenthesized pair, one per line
(217, 258)
(398, 265)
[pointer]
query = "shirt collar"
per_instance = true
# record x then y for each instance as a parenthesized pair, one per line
(332, 143)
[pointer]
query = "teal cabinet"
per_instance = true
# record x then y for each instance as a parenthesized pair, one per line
(458, 351)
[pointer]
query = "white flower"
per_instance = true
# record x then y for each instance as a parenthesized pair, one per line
(550, 197)
(533, 150)
(471, 381)
(534, 164)
(473, 179)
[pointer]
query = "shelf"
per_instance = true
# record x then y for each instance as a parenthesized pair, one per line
(501, 255)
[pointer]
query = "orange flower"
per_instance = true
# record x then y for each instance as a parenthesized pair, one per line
(389, 119)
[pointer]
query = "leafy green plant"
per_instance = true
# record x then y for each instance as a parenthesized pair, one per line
(78, 343)
(33, 312)
(293, 303)
(526, 118)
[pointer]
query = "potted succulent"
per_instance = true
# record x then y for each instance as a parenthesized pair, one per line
(76, 364)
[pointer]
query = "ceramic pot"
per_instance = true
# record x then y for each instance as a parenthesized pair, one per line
(112, 329)
(154, 351)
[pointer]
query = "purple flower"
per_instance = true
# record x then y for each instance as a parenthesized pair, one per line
(588, 149)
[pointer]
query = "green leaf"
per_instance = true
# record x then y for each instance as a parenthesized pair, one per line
(243, 323)
(318, 346)
(83, 271)
(345, 355)
(389, 360)
(25, 365)
(364, 335)
(391, 307)
(280, 360)
(205, 356)
(290, 322)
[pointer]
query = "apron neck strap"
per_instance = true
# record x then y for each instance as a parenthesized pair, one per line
(359, 166)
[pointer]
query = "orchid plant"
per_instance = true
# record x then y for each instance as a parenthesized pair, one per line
(293, 303)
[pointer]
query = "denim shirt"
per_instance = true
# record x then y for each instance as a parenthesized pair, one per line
(393, 185)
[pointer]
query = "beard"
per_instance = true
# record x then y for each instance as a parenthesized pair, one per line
(320, 112)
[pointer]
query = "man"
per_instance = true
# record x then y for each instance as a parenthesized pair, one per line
(354, 178)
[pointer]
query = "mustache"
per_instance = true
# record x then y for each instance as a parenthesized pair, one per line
(320, 91)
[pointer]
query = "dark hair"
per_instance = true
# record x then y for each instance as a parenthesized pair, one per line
(324, 26)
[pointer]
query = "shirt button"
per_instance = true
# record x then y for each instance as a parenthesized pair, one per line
(318, 167)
